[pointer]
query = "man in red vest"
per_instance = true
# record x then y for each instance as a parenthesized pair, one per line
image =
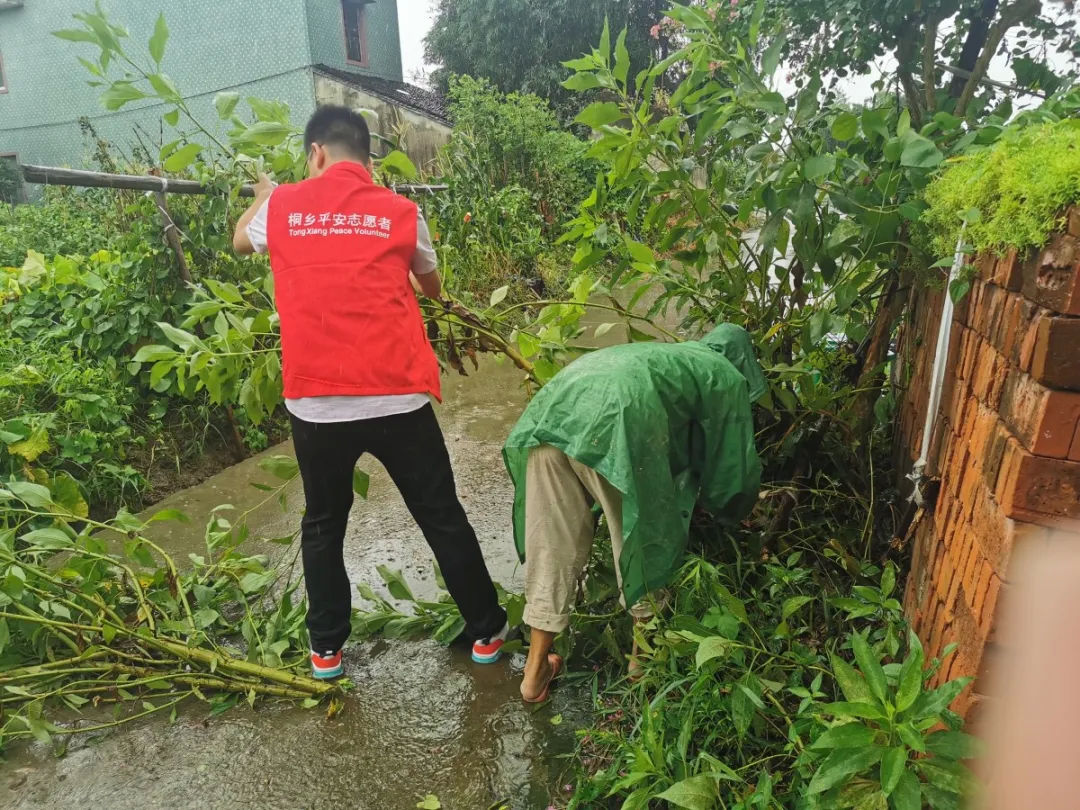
(358, 370)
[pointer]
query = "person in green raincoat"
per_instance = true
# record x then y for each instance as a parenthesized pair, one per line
(646, 431)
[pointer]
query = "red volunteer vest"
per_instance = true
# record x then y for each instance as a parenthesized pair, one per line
(341, 249)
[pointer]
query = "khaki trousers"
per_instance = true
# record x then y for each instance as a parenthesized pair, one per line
(559, 531)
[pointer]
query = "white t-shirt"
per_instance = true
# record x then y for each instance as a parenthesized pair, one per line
(351, 408)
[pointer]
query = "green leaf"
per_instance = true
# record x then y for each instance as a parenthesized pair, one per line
(903, 124)
(119, 94)
(953, 745)
(792, 604)
(920, 153)
(182, 158)
(77, 35)
(265, 133)
(172, 117)
(178, 336)
(225, 103)
(734, 605)
(164, 87)
(696, 793)
(599, 113)
(932, 704)
(67, 495)
(892, 768)
(640, 252)
(399, 164)
(33, 495)
(911, 675)
(51, 538)
(169, 514)
(841, 764)
(875, 122)
(852, 684)
(907, 795)
(159, 38)
(622, 59)
(870, 665)
(205, 617)
(154, 352)
(429, 802)
(711, 647)
(582, 82)
(819, 166)
(361, 482)
(845, 126)
(850, 735)
(770, 60)
(395, 583)
(755, 21)
(499, 295)
(32, 446)
(866, 711)
(283, 467)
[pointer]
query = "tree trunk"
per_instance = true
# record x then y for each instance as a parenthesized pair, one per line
(1012, 15)
(872, 375)
(973, 45)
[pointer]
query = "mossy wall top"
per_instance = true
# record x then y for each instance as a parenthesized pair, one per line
(1021, 187)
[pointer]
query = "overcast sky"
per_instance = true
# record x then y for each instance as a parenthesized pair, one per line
(414, 21)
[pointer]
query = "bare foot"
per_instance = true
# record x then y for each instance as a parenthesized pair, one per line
(536, 679)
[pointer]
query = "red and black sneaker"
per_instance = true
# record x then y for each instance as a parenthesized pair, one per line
(489, 650)
(326, 665)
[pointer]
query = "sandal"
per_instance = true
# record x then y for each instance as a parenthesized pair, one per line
(556, 663)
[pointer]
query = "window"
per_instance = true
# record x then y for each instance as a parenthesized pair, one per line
(355, 39)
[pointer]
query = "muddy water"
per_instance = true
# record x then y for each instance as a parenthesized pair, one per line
(423, 719)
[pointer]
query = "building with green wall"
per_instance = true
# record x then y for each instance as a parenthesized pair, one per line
(301, 52)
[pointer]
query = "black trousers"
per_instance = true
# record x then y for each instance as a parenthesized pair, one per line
(411, 448)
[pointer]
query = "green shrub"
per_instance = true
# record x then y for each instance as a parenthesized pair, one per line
(1020, 188)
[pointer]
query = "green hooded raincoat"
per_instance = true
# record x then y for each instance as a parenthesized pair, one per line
(668, 425)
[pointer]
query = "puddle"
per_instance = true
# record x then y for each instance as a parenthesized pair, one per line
(423, 719)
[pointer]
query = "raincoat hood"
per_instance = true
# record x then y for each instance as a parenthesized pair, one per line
(735, 344)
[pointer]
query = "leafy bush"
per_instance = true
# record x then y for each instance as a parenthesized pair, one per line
(1020, 189)
(748, 698)
(514, 176)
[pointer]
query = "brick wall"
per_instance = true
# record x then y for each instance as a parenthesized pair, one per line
(1007, 443)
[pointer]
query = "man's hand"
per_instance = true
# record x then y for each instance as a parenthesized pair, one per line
(241, 243)
(263, 187)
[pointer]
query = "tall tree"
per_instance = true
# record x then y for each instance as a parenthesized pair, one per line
(939, 50)
(521, 44)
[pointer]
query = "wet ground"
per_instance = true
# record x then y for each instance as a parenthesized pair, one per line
(422, 720)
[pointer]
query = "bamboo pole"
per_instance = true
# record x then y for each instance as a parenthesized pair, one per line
(81, 178)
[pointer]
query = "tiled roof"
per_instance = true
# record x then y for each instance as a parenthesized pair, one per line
(425, 102)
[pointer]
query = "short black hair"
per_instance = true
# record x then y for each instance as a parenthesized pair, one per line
(340, 129)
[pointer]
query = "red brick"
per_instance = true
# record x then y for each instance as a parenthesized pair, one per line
(1008, 272)
(969, 640)
(993, 453)
(1074, 222)
(1074, 449)
(1043, 419)
(991, 530)
(1010, 467)
(1039, 489)
(987, 608)
(982, 592)
(1052, 277)
(1055, 360)
(997, 383)
(1026, 343)
(984, 375)
(986, 266)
